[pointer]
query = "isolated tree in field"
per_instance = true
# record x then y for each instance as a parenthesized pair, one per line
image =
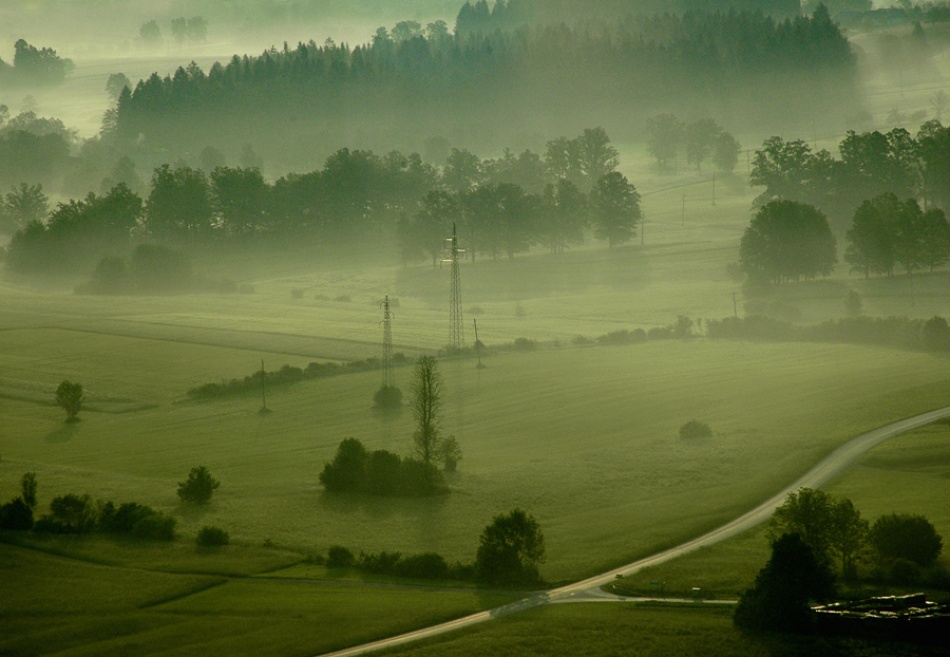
(615, 209)
(905, 536)
(69, 397)
(427, 409)
(510, 550)
(787, 241)
(778, 600)
(199, 486)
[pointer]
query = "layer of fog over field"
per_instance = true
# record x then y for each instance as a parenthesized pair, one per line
(104, 38)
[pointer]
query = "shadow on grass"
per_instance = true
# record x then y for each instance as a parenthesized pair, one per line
(380, 507)
(64, 434)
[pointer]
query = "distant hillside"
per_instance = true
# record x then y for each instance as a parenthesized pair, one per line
(500, 89)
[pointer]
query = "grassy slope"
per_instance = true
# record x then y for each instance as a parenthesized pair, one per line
(57, 605)
(907, 474)
(584, 438)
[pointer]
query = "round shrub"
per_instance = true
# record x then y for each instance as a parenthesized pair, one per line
(213, 537)
(695, 429)
(388, 397)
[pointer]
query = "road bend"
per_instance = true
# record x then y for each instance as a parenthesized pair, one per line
(826, 469)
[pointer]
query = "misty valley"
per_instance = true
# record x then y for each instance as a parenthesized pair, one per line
(436, 327)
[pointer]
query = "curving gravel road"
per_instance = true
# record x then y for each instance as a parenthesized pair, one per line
(832, 465)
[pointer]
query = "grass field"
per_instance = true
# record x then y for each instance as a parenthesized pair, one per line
(645, 630)
(584, 438)
(908, 474)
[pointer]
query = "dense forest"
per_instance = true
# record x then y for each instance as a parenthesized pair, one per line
(498, 88)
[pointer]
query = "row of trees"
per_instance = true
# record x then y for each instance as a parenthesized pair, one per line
(484, 85)
(79, 514)
(840, 538)
(480, 17)
(184, 30)
(355, 194)
(870, 164)
(34, 66)
(509, 551)
(814, 534)
(790, 240)
(667, 137)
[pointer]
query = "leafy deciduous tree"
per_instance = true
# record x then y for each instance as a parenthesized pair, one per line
(787, 240)
(510, 550)
(70, 397)
(778, 600)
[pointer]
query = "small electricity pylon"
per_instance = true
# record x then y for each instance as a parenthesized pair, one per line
(389, 379)
(456, 328)
(264, 410)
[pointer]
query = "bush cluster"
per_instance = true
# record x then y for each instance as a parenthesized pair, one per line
(75, 514)
(427, 565)
(355, 470)
(287, 375)
(925, 335)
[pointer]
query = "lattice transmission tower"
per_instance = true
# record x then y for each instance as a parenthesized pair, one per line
(389, 379)
(456, 328)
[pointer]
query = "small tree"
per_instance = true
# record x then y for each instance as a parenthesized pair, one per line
(695, 429)
(199, 486)
(28, 489)
(69, 396)
(427, 408)
(510, 549)
(388, 398)
(451, 454)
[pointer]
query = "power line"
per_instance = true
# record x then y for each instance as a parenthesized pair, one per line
(456, 328)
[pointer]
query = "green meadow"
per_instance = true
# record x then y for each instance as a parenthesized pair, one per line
(584, 437)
